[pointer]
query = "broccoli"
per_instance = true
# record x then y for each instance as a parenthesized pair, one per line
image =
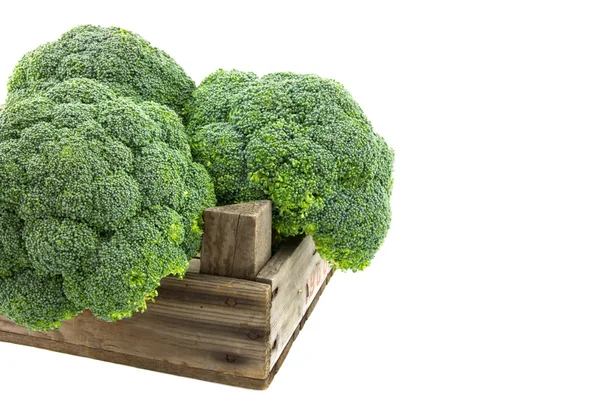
(99, 200)
(119, 58)
(304, 143)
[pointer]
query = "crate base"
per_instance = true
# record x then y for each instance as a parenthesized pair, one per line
(165, 366)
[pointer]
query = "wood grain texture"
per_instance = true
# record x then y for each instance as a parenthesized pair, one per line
(194, 267)
(237, 239)
(208, 322)
(159, 365)
(296, 274)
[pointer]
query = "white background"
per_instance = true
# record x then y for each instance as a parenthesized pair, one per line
(487, 286)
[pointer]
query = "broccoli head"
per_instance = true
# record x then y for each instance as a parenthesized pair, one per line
(99, 200)
(304, 143)
(119, 58)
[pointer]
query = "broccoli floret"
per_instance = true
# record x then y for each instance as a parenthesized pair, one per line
(222, 149)
(119, 58)
(36, 301)
(13, 256)
(212, 99)
(304, 143)
(133, 261)
(199, 194)
(99, 200)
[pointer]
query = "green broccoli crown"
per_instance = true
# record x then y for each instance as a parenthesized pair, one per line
(304, 143)
(119, 58)
(99, 200)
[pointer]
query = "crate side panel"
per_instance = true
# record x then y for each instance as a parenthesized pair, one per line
(205, 322)
(296, 278)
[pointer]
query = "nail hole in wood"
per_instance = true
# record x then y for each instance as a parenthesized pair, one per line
(231, 302)
(230, 358)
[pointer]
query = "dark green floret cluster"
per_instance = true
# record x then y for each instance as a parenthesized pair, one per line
(99, 200)
(116, 57)
(304, 143)
(109, 155)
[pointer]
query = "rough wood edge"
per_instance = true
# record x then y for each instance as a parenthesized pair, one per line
(237, 239)
(161, 366)
(297, 273)
(300, 326)
(279, 264)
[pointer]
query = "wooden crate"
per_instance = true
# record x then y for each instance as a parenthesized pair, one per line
(213, 327)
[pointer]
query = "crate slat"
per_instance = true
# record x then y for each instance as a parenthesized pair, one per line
(216, 328)
(162, 365)
(296, 275)
(203, 331)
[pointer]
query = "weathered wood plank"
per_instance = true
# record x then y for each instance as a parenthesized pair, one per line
(160, 365)
(219, 329)
(194, 266)
(237, 239)
(296, 274)
(213, 323)
(277, 366)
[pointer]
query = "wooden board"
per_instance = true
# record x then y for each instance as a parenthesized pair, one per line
(195, 264)
(202, 321)
(159, 365)
(237, 239)
(214, 328)
(296, 273)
